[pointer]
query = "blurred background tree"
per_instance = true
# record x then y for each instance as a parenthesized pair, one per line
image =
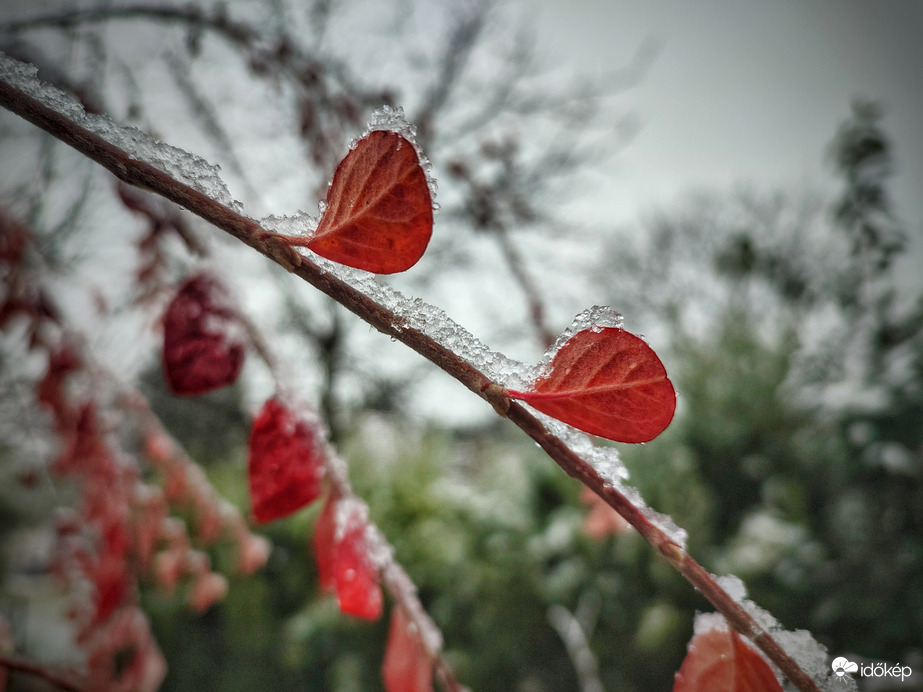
(795, 461)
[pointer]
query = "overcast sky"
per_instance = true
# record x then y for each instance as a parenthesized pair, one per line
(748, 90)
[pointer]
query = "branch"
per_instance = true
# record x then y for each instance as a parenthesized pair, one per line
(64, 126)
(171, 459)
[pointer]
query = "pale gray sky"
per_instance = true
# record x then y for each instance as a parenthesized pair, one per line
(747, 90)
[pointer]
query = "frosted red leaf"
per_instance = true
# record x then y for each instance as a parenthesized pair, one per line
(379, 210)
(606, 382)
(407, 667)
(203, 345)
(286, 463)
(358, 592)
(343, 561)
(718, 660)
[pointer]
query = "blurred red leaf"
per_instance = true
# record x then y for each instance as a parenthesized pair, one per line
(285, 465)
(379, 210)
(601, 520)
(324, 535)
(358, 592)
(203, 338)
(608, 383)
(111, 579)
(343, 559)
(718, 660)
(407, 667)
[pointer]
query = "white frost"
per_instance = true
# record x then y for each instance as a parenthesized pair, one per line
(393, 120)
(709, 622)
(414, 313)
(188, 168)
(606, 462)
(595, 319)
(733, 586)
(800, 645)
(301, 224)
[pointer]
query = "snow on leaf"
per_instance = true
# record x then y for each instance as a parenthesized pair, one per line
(719, 660)
(607, 382)
(407, 667)
(203, 348)
(358, 592)
(378, 215)
(285, 464)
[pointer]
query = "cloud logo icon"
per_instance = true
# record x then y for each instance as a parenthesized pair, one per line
(842, 666)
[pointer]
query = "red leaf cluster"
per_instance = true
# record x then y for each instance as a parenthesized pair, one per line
(606, 382)
(285, 465)
(719, 660)
(203, 344)
(379, 209)
(343, 558)
(407, 666)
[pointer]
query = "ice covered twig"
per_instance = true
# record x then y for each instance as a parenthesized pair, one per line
(57, 122)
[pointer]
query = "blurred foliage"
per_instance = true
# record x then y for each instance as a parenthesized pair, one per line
(793, 465)
(491, 534)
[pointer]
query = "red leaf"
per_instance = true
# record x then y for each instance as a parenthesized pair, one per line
(608, 383)
(379, 211)
(718, 660)
(343, 559)
(285, 465)
(324, 535)
(358, 592)
(203, 345)
(407, 667)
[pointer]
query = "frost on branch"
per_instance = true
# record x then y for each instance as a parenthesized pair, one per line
(719, 660)
(407, 666)
(181, 165)
(810, 655)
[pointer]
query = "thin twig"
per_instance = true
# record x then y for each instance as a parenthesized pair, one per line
(578, 648)
(517, 266)
(248, 231)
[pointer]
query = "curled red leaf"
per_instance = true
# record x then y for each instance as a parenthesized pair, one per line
(606, 382)
(203, 344)
(719, 660)
(407, 667)
(285, 464)
(379, 209)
